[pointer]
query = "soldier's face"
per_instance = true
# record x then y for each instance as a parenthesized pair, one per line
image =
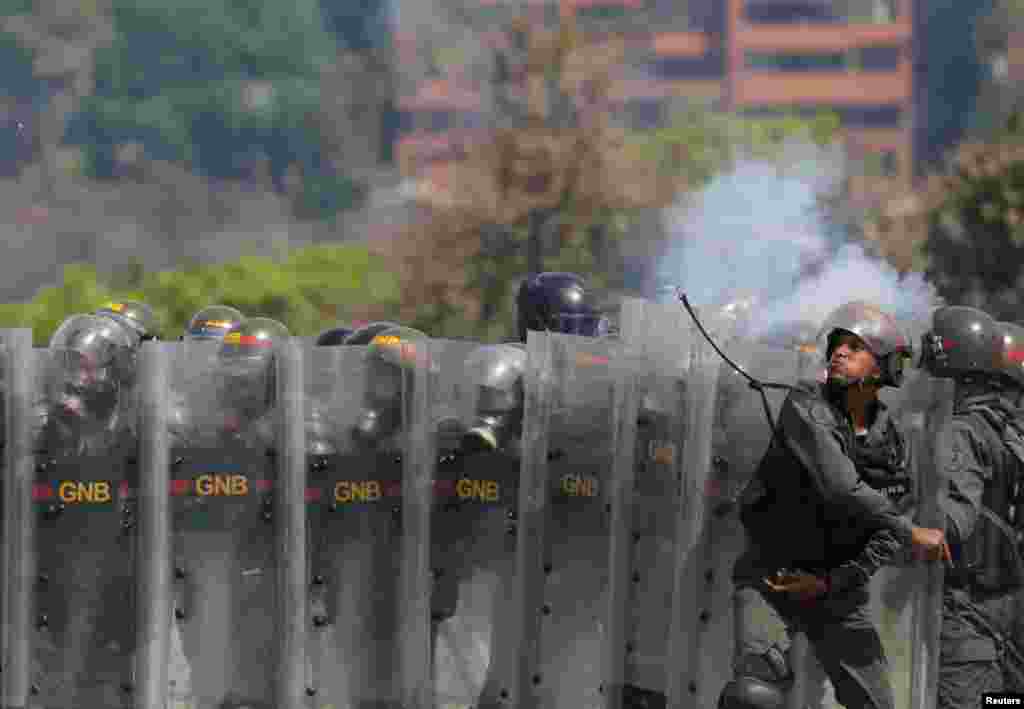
(851, 360)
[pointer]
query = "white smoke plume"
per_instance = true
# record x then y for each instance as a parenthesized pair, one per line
(756, 230)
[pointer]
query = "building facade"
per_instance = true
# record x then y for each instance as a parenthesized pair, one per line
(853, 58)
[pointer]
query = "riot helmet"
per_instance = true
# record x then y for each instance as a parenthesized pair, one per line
(962, 341)
(877, 330)
(1013, 352)
(334, 336)
(558, 302)
(392, 358)
(93, 360)
(246, 363)
(496, 373)
(212, 323)
(364, 335)
(137, 317)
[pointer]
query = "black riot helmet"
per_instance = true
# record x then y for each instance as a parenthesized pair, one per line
(364, 335)
(1013, 353)
(137, 317)
(880, 333)
(558, 302)
(93, 360)
(334, 336)
(212, 323)
(246, 362)
(962, 342)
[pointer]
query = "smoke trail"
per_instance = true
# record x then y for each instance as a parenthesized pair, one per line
(757, 230)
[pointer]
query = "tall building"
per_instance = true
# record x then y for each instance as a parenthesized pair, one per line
(756, 57)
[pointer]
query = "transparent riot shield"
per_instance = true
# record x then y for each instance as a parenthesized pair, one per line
(238, 534)
(678, 396)
(20, 384)
(476, 419)
(370, 528)
(84, 602)
(573, 439)
(907, 598)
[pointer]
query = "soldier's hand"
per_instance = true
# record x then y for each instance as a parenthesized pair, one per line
(929, 544)
(799, 585)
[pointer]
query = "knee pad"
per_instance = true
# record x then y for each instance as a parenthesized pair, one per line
(751, 693)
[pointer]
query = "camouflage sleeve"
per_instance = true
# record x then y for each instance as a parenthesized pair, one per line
(966, 473)
(882, 549)
(810, 428)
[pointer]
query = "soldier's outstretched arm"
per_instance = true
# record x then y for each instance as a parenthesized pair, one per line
(810, 429)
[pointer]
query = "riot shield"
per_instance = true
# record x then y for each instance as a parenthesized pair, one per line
(238, 534)
(370, 531)
(573, 439)
(476, 409)
(20, 387)
(907, 598)
(86, 467)
(694, 544)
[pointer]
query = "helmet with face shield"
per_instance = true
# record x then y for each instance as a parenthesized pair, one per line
(393, 357)
(879, 332)
(496, 373)
(93, 362)
(246, 363)
(212, 323)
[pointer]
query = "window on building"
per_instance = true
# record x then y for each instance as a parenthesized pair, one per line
(875, 58)
(787, 12)
(865, 11)
(830, 61)
(643, 114)
(881, 164)
(708, 66)
(870, 116)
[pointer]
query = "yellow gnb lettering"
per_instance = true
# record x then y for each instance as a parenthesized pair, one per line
(233, 338)
(483, 490)
(97, 491)
(222, 486)
(115, 307)
(386, 340)
(577, 486)
(349, 491)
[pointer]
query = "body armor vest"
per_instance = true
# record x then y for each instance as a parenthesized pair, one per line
(991, 557)
(881, 460)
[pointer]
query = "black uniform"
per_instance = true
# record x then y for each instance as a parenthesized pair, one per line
(983, 607)
(827, 502)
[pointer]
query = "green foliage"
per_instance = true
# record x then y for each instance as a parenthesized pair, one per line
(711, 141)
(214, 84)
(304, 290)
(975, 242)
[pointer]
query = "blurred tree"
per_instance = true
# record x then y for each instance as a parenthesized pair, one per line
(975, 225)
(228, 88)
(560, 178)
(308, 290)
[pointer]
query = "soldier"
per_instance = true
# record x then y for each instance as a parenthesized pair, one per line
(821, 519)
(982, 636)
(86, 442)
(552, 302)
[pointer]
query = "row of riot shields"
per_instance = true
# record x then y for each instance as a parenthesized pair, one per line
(179, 557)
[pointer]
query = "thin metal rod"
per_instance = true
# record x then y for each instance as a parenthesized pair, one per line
(153, 574)
(291, 543)
(19, 559)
